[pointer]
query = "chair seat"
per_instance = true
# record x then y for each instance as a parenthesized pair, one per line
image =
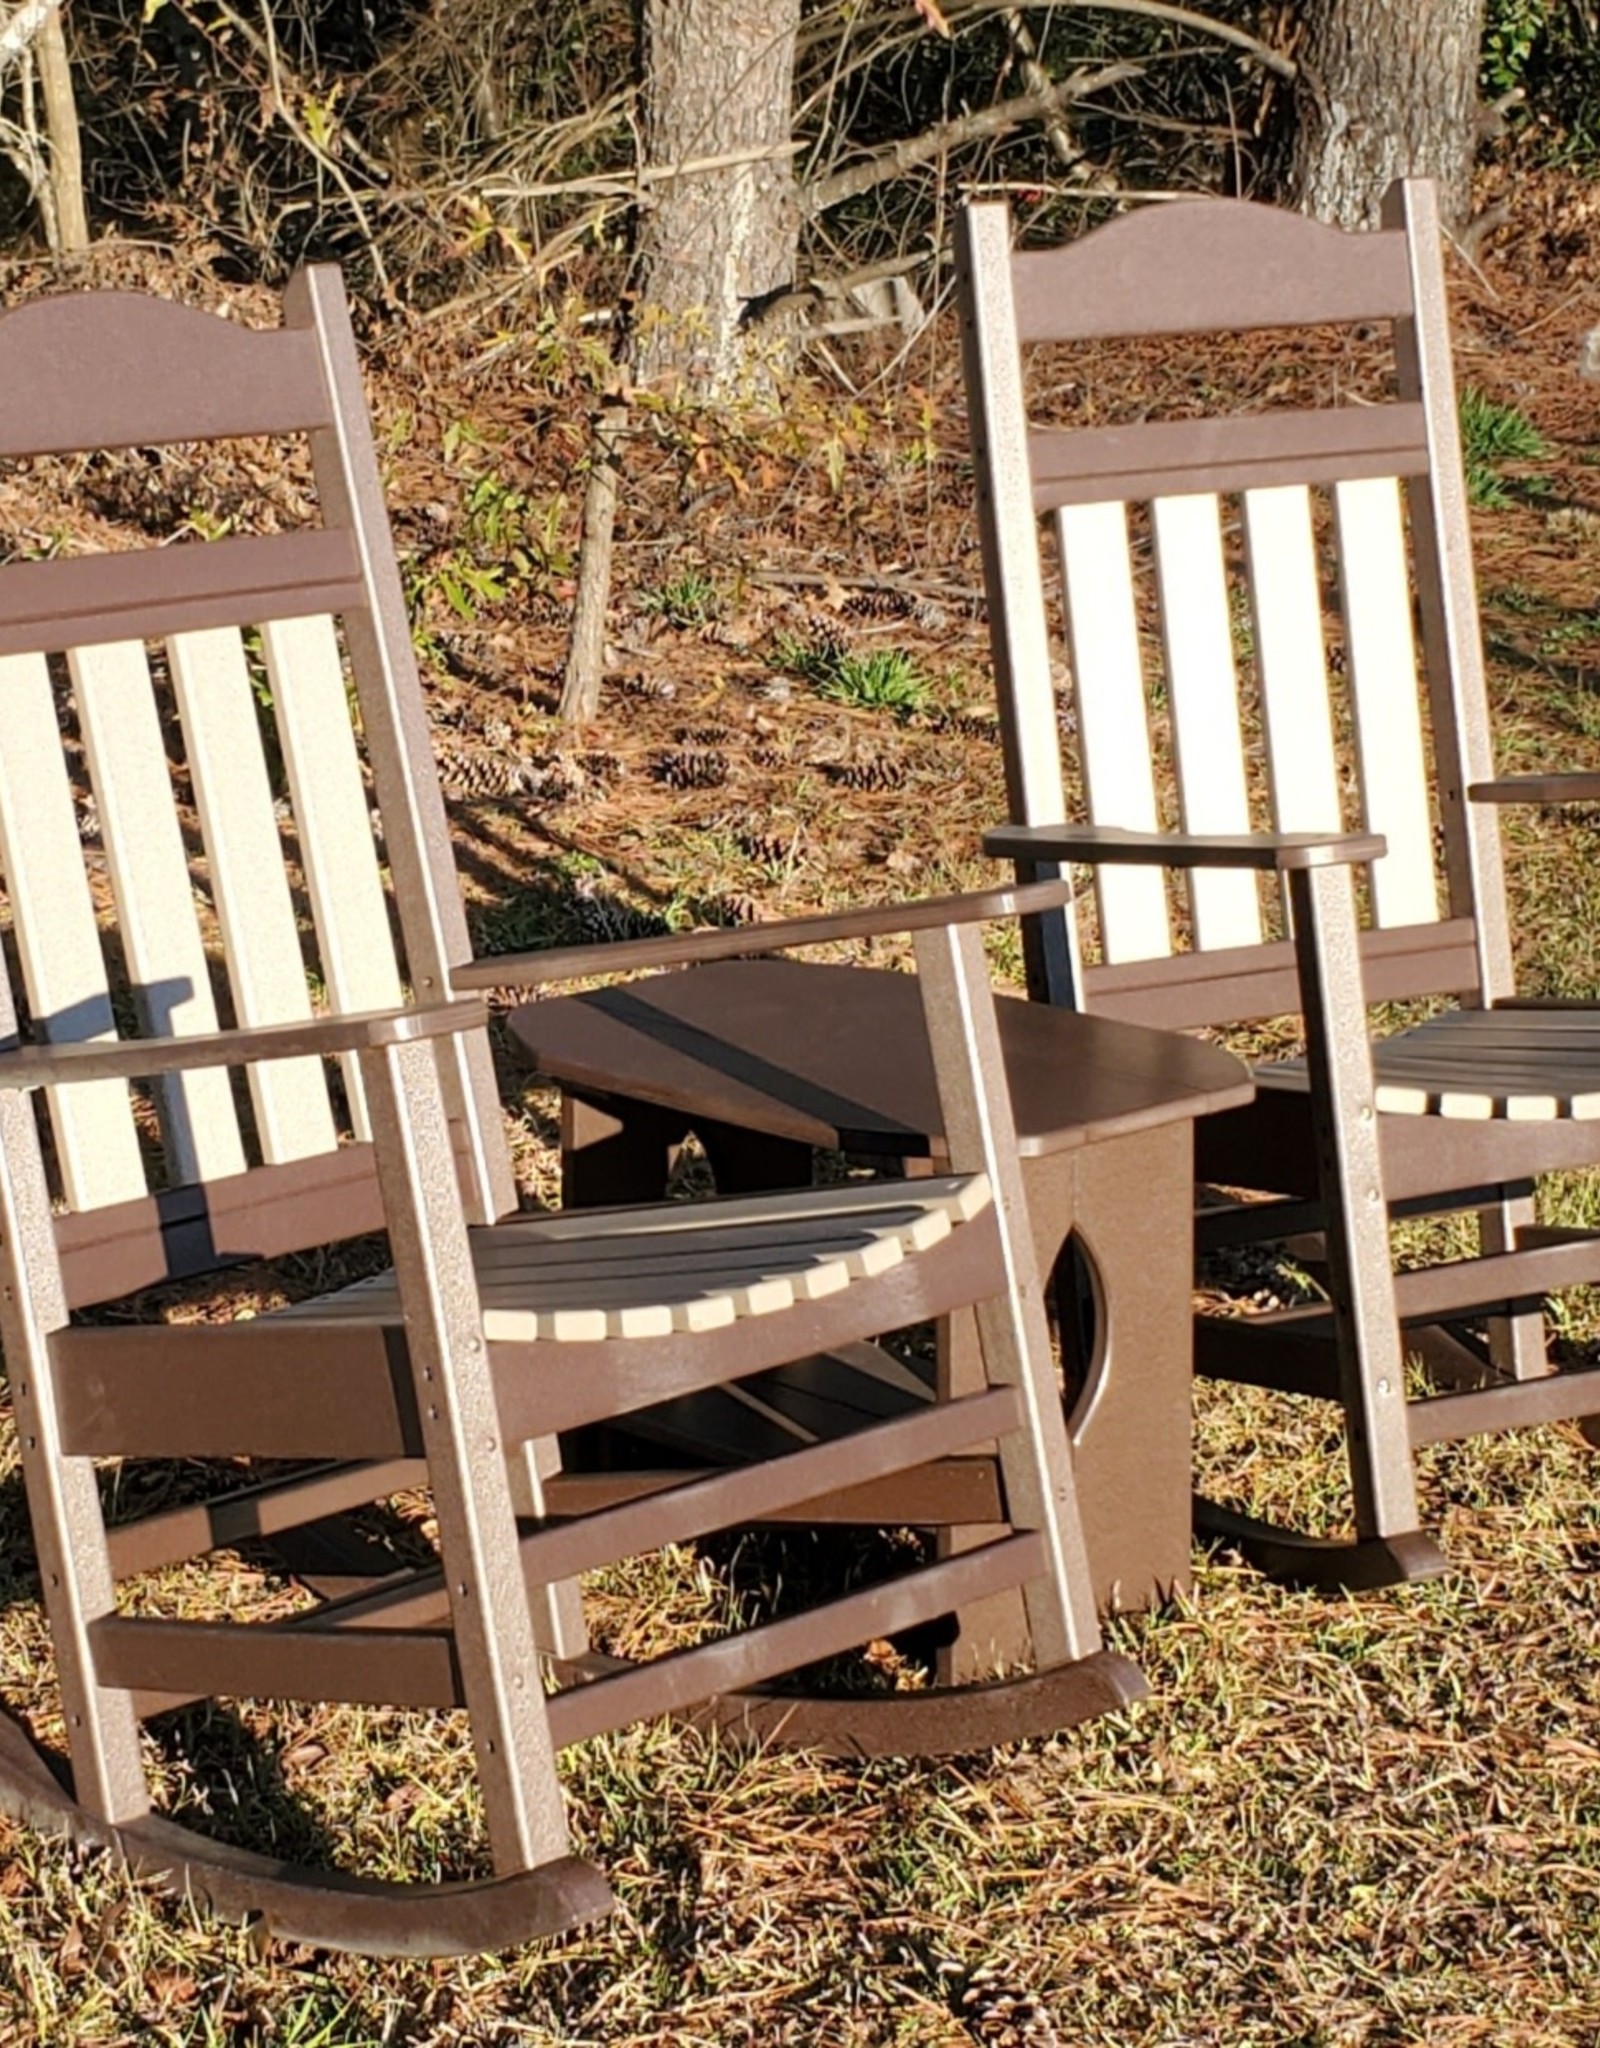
(645, 1272)
(1526, 1066)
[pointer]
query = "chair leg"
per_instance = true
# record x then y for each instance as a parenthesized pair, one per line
(992, 1634)
(1517, 1344)
(467, 1467)
(63, 1498)
(1367, 1329)
(614, 1151)
(558, 1622)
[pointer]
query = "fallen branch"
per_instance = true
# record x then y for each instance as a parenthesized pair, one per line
(956, 11)
(1156, 10)
(913, 150)
(630, 184)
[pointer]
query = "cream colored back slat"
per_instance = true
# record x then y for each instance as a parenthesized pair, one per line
(1287, 604)
(1376, 595)
(156, 917)
(334, 819)
(1113, 730)
(63, 968)
(248, 883)
(1203, 691)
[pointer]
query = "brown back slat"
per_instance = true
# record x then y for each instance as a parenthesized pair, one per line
(1175, 458)
(1232, 984)
(183, 1231)
(1149, 273)
(115, 370)
(156, 591)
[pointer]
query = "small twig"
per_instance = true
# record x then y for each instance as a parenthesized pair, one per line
(1038, 80)
(44, 192)
(266, 47)
(329, 163)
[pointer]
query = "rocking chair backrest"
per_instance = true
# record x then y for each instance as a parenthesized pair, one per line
(1239, 524)
(160, 664)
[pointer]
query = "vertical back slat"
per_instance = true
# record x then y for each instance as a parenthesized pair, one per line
(63, 967)
(1203, 692)
(1113, 729)
(249, 886)
(1376, 595)
(334, 819)
(1287, 606)
(155, 898)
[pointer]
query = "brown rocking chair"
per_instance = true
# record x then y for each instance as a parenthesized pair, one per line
(1248, 517)
(157, 942)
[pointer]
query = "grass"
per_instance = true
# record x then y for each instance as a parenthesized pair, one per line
(686, 600)
(1494, 436)
(1339, 1822)
(884, 680)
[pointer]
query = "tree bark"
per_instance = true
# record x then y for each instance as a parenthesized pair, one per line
(716, 242)
(1386, 88)
(66, 146)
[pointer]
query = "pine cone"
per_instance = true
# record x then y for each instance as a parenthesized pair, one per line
(690, 768)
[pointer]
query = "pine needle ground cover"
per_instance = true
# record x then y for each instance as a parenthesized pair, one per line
(1337, 1823)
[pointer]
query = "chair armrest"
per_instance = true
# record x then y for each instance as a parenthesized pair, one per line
(1577, 788)
(1097, 845)
(682, 949)
(127, 1059)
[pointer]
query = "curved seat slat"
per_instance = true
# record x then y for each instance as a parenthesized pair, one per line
(1523, 1066)
(646, 1273)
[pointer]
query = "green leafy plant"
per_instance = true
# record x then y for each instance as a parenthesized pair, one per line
(687, 600)
(1511, 29)
(1493, 435)
(888, 680)
(507, 542)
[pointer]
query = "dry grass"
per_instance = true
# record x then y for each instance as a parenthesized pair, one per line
(1339, 1823)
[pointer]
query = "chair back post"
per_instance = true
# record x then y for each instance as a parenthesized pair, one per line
(344, 462)
(1019, 640)
(980, 1134)
(1447, 593)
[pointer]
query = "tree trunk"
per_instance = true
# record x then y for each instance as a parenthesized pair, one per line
(721, 219)
(586, 650)
(1386, 88)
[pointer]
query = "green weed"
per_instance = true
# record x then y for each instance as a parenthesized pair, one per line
(887, 680)
(1493, 435)
(687, 600)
